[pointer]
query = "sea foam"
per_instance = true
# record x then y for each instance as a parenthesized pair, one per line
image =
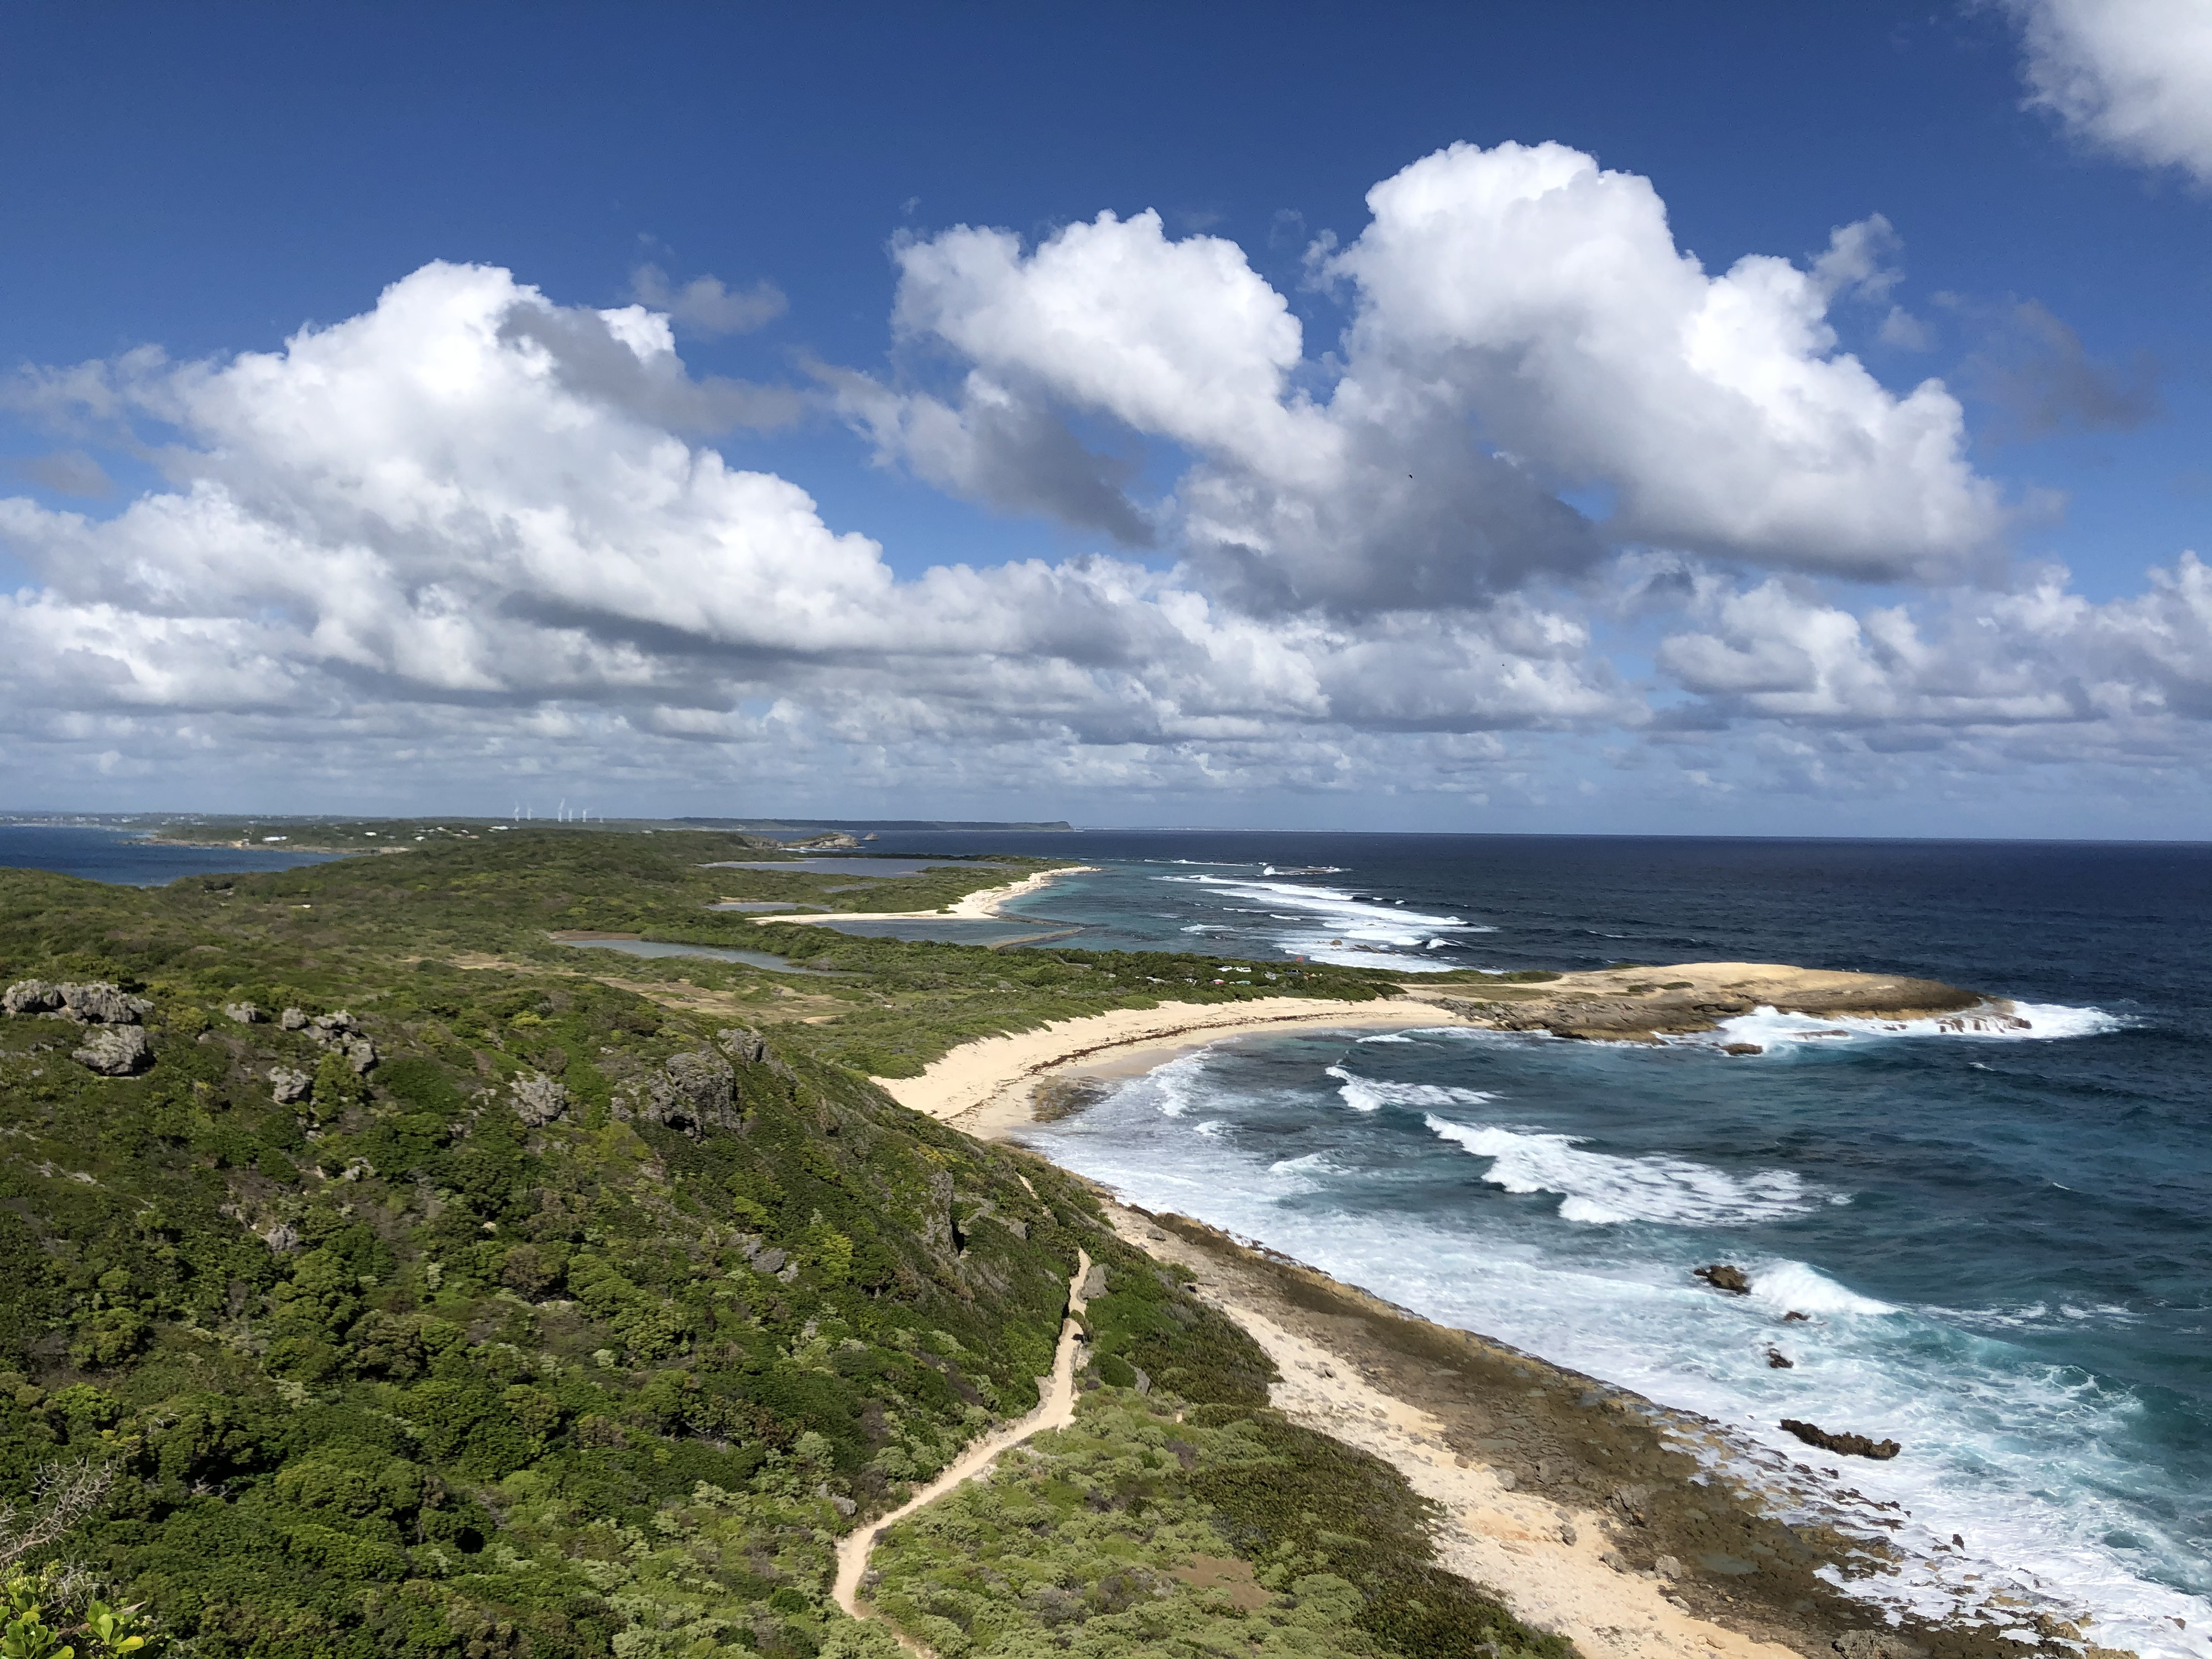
(1602, 1189)
(2033, 1021)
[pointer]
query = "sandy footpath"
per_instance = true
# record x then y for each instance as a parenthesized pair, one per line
(1055, 1409)
(1543, 1559)
(984, 1086)
(987, 905)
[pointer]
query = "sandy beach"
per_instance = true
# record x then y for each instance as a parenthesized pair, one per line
(986, 905)
(984, 1087)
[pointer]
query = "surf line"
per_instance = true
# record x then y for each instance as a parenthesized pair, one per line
(1055, 1409)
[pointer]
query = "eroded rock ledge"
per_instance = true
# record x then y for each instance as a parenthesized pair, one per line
(1643, 1005)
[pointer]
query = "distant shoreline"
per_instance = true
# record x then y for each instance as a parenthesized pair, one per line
(988, 904)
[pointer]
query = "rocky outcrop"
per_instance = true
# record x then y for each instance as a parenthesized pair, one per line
(288, 1087)
(1778, 1361)
(1722, 1276)
(115, 1051)
(743, 1044)
(1848, 1445)
(1646, 1005)
(96, 1002)
(245, 1013)
(340, 1032)
(693, 1092)
(538, 1099)
(293, 1020)
(1876, 1645)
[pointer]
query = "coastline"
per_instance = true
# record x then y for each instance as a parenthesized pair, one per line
(984, 1087)
(986, 904)
(1583, 1505)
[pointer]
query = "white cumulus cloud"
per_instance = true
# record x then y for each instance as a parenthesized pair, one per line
(2132, 76)
(1523, 328)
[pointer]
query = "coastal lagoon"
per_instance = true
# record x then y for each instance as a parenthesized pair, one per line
(2004, 1244)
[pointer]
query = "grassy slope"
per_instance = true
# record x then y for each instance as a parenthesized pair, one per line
(392, 1372)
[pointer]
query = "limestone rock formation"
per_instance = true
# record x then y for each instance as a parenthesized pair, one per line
(115, 1051)
(96, 1002)
(538, 1099)
(245, 1013)
(694, 1092)
(288, 1087)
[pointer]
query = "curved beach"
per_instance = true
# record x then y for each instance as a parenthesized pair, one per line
(1629, 1528)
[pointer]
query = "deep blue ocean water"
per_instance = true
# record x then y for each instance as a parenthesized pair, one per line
(125, 859)
(2005, 1243)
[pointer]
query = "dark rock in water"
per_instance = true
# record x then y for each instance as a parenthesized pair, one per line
(1742, 1048)
(1850, 1445)
(115, 1051)
(1778, 1361)
(1722, 1276)
(1058, 1097)
(1792, 1316)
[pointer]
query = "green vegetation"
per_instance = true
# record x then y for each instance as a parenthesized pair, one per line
(582, 1313)
(1181, 1516)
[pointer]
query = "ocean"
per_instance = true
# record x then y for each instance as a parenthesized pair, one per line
(125, 858)
(2003, 1244)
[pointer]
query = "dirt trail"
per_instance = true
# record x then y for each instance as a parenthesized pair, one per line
(1055, 1409)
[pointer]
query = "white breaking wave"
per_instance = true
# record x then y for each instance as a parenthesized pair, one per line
(1365, 1094)
(1338, 926)
(1602, 1189)
(1793, 1287)
(2041, 1021)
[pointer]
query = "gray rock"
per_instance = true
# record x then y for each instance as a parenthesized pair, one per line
(1094, 1282)
(330, 1030)
(769, 1260)
(293, 1020)
(1875, 1644)
(288, 1087)
(1668, 1567)
(96, 1002)
(115, 1051)
(744, 1045)
(1144, 1384)
(31, 996)
(538, 1099)
(361, 1054)
(694, 1092)
(789, 1274)
(245, 1014)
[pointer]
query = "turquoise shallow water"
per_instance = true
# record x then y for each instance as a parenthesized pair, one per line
(2004, 1244)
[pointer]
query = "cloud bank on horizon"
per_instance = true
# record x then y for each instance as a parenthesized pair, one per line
(1555, 482)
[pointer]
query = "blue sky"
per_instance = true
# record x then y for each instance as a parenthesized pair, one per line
(210, 181)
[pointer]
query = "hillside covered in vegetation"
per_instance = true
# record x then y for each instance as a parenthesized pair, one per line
(422, 1286)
